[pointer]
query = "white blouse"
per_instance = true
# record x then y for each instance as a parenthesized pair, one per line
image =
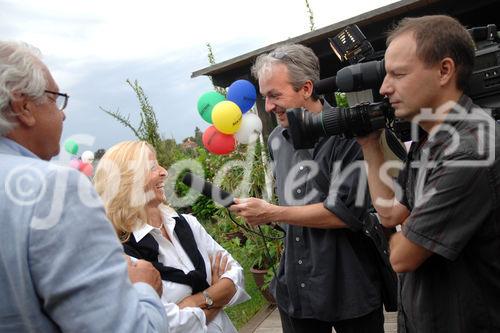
(172, 254)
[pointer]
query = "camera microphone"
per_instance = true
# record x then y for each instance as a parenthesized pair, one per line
(208, 189)
(366, 75)
(325, 86)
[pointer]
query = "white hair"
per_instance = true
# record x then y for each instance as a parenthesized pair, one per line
(21, 72)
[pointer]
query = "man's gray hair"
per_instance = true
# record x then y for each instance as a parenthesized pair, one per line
(21, 72)
(300, 60)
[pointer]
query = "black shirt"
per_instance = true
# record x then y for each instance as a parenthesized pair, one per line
(324, 274)
(456, 215)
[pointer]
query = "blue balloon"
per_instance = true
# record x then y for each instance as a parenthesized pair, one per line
(242, 92)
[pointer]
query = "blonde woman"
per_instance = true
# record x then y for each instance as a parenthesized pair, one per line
(199, 276)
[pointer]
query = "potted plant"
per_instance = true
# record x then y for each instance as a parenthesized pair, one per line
(263, 261)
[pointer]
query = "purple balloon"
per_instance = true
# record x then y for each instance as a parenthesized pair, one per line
(243, 93)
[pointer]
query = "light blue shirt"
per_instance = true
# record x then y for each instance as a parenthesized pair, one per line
(61, 264)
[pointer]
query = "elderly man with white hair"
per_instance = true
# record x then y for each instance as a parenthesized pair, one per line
(61, 265)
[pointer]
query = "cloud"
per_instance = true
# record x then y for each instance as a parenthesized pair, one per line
(166, 83)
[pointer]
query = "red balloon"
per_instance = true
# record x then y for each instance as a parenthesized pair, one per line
(87, 169)
(218, 143)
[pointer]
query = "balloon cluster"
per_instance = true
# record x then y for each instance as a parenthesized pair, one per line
(83, 164)
(231, 122)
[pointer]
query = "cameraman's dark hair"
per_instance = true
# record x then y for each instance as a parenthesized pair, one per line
(300, 60)
(438, 37)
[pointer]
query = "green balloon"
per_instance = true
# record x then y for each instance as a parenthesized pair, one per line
(71, 146)
(206, 103)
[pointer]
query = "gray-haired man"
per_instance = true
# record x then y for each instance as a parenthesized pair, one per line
(328, 274)
(62, 267)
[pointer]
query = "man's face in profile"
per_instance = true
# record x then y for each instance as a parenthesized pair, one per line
(409, 83)
(47, 123)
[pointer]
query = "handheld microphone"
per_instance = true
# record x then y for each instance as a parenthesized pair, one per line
(209, 190)
(223, 198)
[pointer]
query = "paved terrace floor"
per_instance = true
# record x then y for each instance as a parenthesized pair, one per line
(267, 320)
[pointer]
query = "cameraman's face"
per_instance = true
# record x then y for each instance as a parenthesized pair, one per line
(409, 83)
(279, 93)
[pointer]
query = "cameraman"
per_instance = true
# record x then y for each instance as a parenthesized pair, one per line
(449, 246)
(327, 275)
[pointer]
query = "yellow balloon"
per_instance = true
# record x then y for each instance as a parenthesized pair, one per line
(226, 117)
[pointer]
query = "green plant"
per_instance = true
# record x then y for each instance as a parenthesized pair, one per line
(211, 61)
(148, 128)
(224, 221)
(255, 245)
(270, 275)
(341, 99)
(264, 253)
(311, 16)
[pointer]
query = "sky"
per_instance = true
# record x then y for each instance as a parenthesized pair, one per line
(93, 46)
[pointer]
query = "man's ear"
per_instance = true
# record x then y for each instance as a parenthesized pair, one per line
(447, 71)
(308, 89)
(22, 109)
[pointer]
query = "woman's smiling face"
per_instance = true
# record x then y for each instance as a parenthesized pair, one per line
(155, 181)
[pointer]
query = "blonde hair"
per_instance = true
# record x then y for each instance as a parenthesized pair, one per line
(120, 179)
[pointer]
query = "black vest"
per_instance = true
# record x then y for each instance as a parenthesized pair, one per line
(147, 249)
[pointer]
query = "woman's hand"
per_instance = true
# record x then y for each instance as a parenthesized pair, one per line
(219, 266)
(211, 313)
(193, 301)
(198, 301)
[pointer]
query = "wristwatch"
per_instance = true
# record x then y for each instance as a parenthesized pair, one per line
(208, 300)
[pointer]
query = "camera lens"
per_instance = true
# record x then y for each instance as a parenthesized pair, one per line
(307, 127)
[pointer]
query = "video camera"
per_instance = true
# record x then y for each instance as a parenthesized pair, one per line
(351, 45)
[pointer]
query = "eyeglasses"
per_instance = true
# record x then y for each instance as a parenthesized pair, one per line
(280, 55)
(61, 103)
